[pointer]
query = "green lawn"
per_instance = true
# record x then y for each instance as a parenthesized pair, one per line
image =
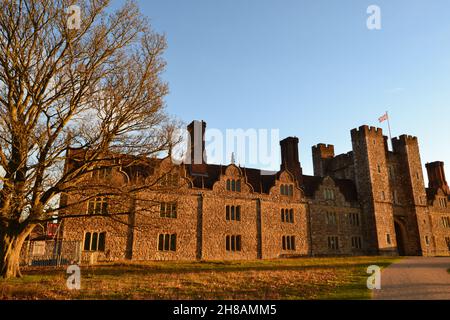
(302, 278)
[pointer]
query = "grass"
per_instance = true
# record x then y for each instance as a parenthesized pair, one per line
(296, 279)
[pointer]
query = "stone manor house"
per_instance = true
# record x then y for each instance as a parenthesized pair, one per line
(369, 201)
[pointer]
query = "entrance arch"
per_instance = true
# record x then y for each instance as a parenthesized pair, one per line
(400, 237)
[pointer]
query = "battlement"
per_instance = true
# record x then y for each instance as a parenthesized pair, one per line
(367, 130)
(322, 150)
(345, 156)
(289, 139)
(404, 138)
(398, 143)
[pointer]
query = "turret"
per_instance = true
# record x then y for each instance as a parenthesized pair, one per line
(322, 154)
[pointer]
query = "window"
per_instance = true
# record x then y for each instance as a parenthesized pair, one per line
(443, 202)
(383, 196)
(234, 185)
(427, 240)
(447, 240)
(287, 215)
(333, 243)
(94, 241)
(329, 194)
(168, 210)
(395, 197)
(446, 222)
(331, 218)
(288, 243)
(388, 238)
(354, 219)
(233, 243)
(170, 179)
(391, 172)
(98, 205)
(102, 173)
(379, 168)
(356, 243)
(233, 213)
(167, 242)
(287, 189)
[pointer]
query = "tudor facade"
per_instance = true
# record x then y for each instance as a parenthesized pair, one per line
(368, 201)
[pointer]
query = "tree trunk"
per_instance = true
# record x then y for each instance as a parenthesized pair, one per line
(10, 247)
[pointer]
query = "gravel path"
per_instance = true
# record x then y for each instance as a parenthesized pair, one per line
(415, 278)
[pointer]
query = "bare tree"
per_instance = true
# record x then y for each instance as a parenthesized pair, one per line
(92, 83)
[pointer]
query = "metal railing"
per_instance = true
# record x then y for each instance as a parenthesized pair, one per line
(50, 253)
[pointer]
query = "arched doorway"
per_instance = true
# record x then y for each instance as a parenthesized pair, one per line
(400, 237)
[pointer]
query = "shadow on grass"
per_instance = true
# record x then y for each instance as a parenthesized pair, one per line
(147, 270)
(120, 269)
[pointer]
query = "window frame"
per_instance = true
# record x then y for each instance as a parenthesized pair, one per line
(167, 242)
(100, 241)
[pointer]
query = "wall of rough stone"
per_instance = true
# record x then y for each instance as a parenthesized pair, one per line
(273, 228)
(201, 225)
(372, 179)
(408, 182)
(440, 231)
(343, 229)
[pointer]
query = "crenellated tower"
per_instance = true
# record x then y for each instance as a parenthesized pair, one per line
(411, 214)
(322, 154)
(370, 154)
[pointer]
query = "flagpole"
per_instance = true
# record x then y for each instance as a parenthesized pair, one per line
(389, 126)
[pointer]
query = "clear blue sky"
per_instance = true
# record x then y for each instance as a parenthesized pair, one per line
(310, 68)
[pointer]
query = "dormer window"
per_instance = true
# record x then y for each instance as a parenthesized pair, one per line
(101, 173)
(329, 194)
(287, 189)
(234, 185)
(169, 179)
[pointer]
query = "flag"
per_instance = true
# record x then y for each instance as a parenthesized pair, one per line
(383, 118)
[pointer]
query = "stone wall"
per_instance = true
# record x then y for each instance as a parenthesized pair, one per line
(390, 205)
(441, 232)
(343, 229)
(374, 189)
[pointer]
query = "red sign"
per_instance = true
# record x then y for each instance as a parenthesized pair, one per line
(52, 229)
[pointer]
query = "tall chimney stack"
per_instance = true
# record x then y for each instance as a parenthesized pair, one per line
(196, 148)
(436, 176)
(289, 158)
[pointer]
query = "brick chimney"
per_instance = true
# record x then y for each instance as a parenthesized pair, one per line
(436, 176)
(196, 148)
(289, 158)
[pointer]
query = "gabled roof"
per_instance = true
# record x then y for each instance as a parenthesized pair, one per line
(432, 193)
(346, 187)
(261, 183)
